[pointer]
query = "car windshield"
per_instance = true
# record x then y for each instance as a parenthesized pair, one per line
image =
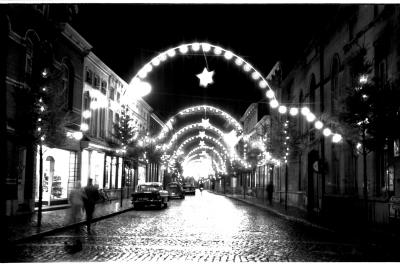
(148, 188)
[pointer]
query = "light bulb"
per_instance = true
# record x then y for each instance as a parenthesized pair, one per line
(293, 111)
(282, 109)
(195, 46)
(263, 84)
(327, 132)
(274, 103)
(206, 47)
(318, 124)
(270, 94)
(305, 110)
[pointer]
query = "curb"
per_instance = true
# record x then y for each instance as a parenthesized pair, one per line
(62, 228)
(285, 216)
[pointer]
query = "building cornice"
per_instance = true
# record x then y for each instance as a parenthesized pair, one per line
(75, 38)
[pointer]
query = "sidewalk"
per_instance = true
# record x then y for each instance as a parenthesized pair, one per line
(21, 228)
(382, 234)
(292, 213)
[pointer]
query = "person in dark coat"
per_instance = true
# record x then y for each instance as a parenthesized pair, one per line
(270, 191)
(90, 198)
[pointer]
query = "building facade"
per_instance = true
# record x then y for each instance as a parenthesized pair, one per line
(69, 137)
(327, 178)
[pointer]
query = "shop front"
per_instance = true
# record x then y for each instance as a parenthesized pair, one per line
(59, 175)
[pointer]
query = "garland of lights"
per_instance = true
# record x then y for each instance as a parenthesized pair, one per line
(190, 139)
(183, 49)
(203, 124)
(222, 160)
(211, 109)
(194, 157)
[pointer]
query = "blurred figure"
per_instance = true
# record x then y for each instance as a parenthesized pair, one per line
(270, 191)
(75, 198)
(76, 202)
(90, 198)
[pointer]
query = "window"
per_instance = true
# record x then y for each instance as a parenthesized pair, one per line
(102, 122)
(65, 83)
(28, 59)
(313, 87)
(89, 76)
(110, 122)
(380, 62)
(118, 97)
(334, 82)
(112, 91)
(300, 118)
(96, 81)
(104, 87)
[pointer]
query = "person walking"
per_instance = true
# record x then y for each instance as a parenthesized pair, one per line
(270, 191)
(76, 201)
(91, 196)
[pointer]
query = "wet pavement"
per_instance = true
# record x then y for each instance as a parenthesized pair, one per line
(201, 228)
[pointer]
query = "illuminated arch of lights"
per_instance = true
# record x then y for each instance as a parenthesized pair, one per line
(200, 108)
(195, 158)
(192, 138)
(190, 127)
(171, 161)
(256, 76)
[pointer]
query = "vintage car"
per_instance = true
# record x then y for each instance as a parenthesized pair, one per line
(150, 193)
(189, 188)
(175, 190)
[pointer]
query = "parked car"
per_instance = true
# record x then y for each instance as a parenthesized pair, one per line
(189, 189)
(175, 190)
(148, 194)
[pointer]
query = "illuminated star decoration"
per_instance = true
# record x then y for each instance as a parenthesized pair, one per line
(205, 77)
(202, 134)
(205, 122)
(202, 144)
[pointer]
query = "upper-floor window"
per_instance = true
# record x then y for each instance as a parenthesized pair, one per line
(28, 58)
(118, 97)
(96, 81)
(313, 87)
(334, 82)
(112, 91)
(104, 87)
(65, 83)
(300, 118)
(381, 62)
(89, 76)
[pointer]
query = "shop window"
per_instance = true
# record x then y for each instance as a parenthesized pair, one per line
(89, 76)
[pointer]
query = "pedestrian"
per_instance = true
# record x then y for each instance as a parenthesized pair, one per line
(90, 198)
(270, 191)
(76, 201)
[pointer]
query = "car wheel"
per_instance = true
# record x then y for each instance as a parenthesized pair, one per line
(165, 205)
(160, 205)
(136, 206)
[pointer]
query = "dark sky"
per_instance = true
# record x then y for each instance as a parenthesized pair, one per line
(126, 36)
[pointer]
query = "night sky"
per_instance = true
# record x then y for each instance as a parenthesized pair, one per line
(126, 36)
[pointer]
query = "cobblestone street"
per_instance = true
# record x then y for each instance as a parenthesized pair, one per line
(205, 228)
